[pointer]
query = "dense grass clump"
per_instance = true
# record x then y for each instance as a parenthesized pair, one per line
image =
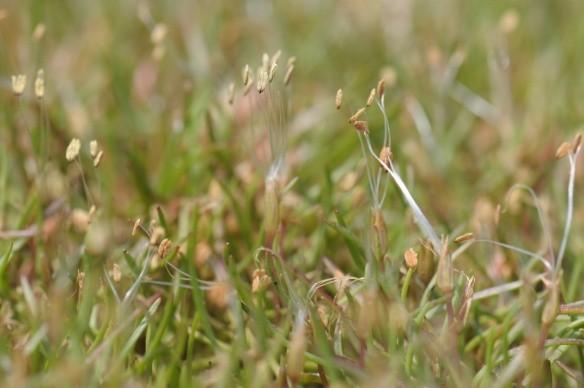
(255, 193)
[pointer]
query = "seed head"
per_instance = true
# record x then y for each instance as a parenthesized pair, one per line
(136, 226)
(156, 235)
(361, 126)
(262, 81)
(564, 149)
(18, 84)
(385, 155)
(288, 75)
(276, 56)
(39, 84)
(164, 247)
(97, 158)
(411, 258)
(356, 116)
(93, 148)
(291, 61)
(158, 33)
(73, 149)
(245, 75)
(260, 281)
(339, 99)
(272, 71)
(265, 62)
(380, 88)
(464, 237)
(371, 97)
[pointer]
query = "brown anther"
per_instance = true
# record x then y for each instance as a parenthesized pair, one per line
(339, 99)
(356, 116)
(385, 155)
(361, 126)
(381, 88)
(371, 97)
(464, 237)
(411, 258)
(164, 247)
(564, 149)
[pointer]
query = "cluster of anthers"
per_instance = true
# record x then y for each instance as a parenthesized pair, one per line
(19, 84)
(378, 185)
(264, 76)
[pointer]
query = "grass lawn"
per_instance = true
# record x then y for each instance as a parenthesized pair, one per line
(254, 193)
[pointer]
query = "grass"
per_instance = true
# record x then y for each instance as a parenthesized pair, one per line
(167, 219)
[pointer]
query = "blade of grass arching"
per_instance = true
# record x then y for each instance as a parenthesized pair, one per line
(419, 217)
(137, 333)
(569, 210)
(99, 337)
(154, 343)
(129, 295)
(497, 290)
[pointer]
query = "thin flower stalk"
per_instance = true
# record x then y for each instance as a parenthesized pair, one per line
(572, 157)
